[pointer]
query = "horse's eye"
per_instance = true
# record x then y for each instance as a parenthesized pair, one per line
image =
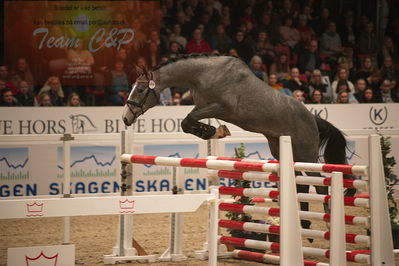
(140, 90)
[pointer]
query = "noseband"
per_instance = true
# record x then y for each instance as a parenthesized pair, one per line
(150, 89)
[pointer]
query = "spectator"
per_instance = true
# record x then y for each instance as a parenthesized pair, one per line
(54, 89)
(256, 67)
(294, 83)
(278, 86)
(280, 67)
(342, 96)
(22, 72)
(220, 40)
(176, 98)
(306, 33)
(343, 86)
(317, 83)
(289, 9)
(388, 49)
(6, 79)
(289, 35)
(368, 41)
(360, 86)
(330, 42)
(264, 48)
(316, 97)
(374, 82)
(367, 96)
(386, 94)
(342, 75)
(388, 71)
(367, 69)
(138, 69)
(74, 100)
(25, 95)
(347, 32)
(119, 85)
(179, 38)
(244, 49)
(174, 50)
(266, 24)
(309, 59)
(197, 44)
(153, 55)
(298, 95)
(44, 99)
(320, 24)
(7, 99)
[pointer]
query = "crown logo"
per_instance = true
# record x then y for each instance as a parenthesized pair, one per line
(34, 209)
(126, 206)
(42, 260)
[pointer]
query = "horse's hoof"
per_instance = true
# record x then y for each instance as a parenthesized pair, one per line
(221, 132)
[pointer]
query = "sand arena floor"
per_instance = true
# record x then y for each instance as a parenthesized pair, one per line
(95, 236)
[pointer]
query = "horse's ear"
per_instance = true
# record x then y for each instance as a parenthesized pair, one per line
(145, 71)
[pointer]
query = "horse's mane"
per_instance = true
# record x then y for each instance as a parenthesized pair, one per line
(184, 56)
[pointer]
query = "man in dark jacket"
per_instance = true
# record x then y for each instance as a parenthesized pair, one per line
(310, 59)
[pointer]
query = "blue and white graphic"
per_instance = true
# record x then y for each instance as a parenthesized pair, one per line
(89, 161)
(351, 151)
(14, 163)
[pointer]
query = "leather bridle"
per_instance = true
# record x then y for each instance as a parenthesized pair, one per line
(150, 89)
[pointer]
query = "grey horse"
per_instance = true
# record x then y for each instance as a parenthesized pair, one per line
(223, 87)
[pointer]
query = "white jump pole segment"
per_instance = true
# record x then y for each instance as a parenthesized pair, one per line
(291, 240)
(381, 236)
(213, 228)
(337, 229)
(66, 221)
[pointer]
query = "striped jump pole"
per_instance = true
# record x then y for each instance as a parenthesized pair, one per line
(302, 197)
(241, 165)
(306, 167)
(268, 258)
(275, 247)
(275, 229)
(250, 209)
(303, 180)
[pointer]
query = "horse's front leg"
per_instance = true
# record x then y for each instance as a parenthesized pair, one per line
(191, 125)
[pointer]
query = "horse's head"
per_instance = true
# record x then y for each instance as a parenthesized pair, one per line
(143, 96)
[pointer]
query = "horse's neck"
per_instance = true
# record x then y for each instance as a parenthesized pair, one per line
(184, 73)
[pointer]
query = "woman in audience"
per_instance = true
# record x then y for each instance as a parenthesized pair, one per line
(25, 96)
(317, 83)
(54, 89)
(343, 86)
(280, 67)
(367, 69)
(256, 67)
(316, 97)
(367, 96)
(342, 75)
(74, 100)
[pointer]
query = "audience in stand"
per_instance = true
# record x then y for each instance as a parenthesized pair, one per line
(274, 38)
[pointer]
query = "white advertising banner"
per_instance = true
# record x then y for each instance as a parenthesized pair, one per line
(29, 168)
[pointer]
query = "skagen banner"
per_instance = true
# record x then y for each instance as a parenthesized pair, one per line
(167, 119)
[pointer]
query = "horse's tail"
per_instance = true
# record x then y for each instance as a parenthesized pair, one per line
(333, 141)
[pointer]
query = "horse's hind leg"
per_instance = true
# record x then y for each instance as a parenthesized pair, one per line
(191, 125)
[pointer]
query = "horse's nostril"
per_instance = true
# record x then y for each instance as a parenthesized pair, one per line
(126, 121)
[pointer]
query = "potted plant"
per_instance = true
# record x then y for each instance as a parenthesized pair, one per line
(391, 179)
(240, 153)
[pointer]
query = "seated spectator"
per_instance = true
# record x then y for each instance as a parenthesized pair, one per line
(316, 97)
(388, 49)
(119, 85)
(220, 40)
(137, 70)
(7, 99)
(309, 59)
(343, 88)
(264, 48)
(386, 94)
(176, 98)
(280, 67)
(360, 86)
(320, 24)
(289, 35)
(367, 96)
(306, 33)
(388, 70)
(298, 95)
(366, 69)
(347, 32)
(233, 52)
(278, 86)
(243, 47)
(22, 72)
(330, 42)
(374, 81)
(256, 66)
(179, 38)
(293, 83)
(198, 44)
(6, 79)
(174, 50)
(74, 100)
(342, 75)
(54, 89)
(368, 41)
(317, 83)
(25, 96)
(44, 99)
